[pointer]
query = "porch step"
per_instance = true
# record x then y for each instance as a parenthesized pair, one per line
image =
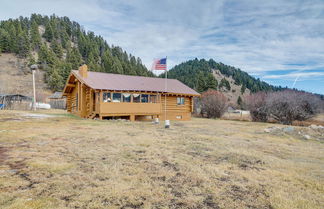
(91, 116)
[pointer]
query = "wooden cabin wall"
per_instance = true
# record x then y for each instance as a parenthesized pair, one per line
(174, 111)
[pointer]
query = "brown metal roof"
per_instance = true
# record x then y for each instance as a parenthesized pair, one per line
(118, 82)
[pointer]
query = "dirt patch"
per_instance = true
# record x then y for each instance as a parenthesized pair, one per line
(254, 197)
(10, 119)
(3, 155)
(17, 165)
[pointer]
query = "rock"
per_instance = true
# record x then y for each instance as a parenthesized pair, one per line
(271, 129)
(315, 127)
(307, 137)
(267, 130)
(288, 129)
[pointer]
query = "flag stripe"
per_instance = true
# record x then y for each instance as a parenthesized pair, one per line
(159, 64)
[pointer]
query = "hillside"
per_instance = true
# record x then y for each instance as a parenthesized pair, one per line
(59, 45)
(16, 78)
(202, 75)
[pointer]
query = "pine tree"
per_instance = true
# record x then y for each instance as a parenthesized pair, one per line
(117, 67)
(211, 82)
(225, 83)
(23, 45)
(74, 57)
(49, 34)
(4, 41)
(57, 48)
(243, 89)
(35, 38)
(239, 101)
(55, 81)
(107, 62)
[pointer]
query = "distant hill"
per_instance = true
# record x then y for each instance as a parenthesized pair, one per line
(59, 45)
(202, 75)
(16, 78)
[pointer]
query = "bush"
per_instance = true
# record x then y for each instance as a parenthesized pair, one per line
(287, 106)
(256, 104)
(283, 106)
(213, 104)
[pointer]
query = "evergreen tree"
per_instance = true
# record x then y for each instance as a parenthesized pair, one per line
(4, 41)
(23, 44)
(35, 38)
(57, 48)
(239, 102)
(211, 82)
(55, 81)
(225, 83)
(49, 34)
(117, 67)
(74, 57)
(243, 89)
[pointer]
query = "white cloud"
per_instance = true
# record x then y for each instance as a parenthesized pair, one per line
(256, 36)
(292, 76)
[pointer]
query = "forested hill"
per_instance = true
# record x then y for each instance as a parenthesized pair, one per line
(59, 45)
(202, 75)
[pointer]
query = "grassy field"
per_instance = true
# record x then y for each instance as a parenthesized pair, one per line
(66, 162)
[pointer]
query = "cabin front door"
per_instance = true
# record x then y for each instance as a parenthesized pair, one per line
(94, 101)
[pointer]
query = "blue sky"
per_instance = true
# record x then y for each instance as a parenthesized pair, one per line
(278, 41)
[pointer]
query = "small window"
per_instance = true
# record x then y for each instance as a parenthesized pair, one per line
(179, 117)
(153, 98)
(180, 100)
(126, 97)
(136, 98)
(106, 97)
(145, 98)
(116, 97)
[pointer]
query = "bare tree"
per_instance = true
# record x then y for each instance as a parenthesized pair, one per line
(283, 106)
(256, 104)
(287, 106)
(213, 104)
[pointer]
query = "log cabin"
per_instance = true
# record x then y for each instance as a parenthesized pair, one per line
(107, 96)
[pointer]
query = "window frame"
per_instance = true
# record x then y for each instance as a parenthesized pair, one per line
(146, 97)
(130, 97)
(180, 100)
(120, 98)
(108, 98)
(139, 98)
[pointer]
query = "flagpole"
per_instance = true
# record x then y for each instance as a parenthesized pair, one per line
(167, 123)
(166, 88)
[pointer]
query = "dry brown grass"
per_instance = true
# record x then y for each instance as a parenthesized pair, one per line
(66, 162)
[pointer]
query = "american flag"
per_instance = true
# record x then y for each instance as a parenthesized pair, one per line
(159, 64)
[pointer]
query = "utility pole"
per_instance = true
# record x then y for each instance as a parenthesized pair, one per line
(34, 90)
(33, 68)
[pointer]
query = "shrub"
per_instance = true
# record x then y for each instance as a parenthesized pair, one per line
(213, 104)
(287, 106)
(256, 104)
(283, 106)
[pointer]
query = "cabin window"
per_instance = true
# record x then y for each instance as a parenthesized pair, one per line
(106, 97)
(145, 98)
(116, 97)
(126, 97)
(180, 100)
(153, 98)
(136, 98)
